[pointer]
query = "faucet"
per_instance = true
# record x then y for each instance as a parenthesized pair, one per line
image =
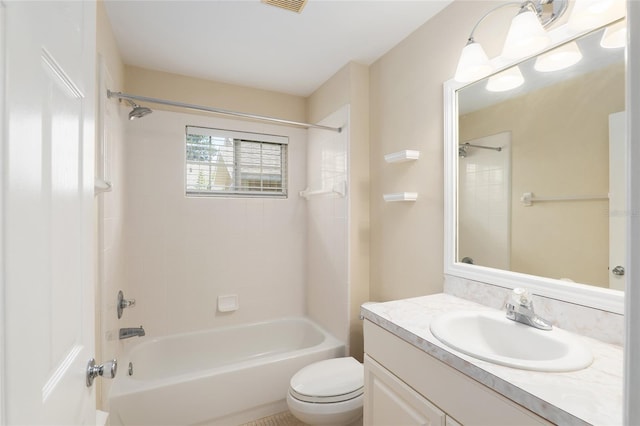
(520, 309)
(126, 333)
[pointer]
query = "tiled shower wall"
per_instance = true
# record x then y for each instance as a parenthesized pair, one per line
(109, 227)
(327, 233)
(183, 252)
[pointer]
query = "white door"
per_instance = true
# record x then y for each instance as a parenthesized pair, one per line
(617, 200)
(48, 250)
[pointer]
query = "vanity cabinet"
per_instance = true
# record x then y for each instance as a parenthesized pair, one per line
(405, 385)
(389, 401)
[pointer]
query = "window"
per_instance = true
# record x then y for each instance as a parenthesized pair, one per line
(229, 163)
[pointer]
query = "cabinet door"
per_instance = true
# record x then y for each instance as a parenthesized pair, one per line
(389, 401)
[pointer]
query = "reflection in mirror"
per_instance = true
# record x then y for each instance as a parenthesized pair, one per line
(539, 165)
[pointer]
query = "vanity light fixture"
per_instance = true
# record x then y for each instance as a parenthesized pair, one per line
(559, 58)
(526, 36)
(587, 14)
(473, 64)
(615, 36)
(505, 80)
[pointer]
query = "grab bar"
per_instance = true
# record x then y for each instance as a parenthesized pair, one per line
(528, 198)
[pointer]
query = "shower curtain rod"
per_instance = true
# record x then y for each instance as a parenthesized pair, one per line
(121, 95)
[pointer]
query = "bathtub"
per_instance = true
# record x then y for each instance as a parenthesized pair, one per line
(224, 376)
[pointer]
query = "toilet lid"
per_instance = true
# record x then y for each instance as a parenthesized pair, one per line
(332, 380)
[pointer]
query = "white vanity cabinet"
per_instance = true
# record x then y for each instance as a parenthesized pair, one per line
(389, 401)
(406, 386)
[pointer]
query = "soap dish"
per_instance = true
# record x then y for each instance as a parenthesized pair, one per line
(228, 303)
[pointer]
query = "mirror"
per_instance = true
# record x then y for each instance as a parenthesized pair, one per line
(536, 173)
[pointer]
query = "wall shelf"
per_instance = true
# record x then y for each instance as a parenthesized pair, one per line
(402, 156)
(100, 186)
(400, 196)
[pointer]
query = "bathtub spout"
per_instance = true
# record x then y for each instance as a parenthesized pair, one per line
(125, 333)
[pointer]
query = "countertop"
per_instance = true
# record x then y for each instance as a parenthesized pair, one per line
(589, 396)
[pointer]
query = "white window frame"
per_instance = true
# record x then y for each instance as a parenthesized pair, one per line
(234, 170)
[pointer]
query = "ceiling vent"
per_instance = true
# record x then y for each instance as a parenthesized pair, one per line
(292, 5)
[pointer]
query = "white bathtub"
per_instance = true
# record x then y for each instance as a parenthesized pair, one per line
(224, 376)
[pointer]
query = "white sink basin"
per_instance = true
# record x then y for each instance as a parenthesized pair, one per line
(492, 337)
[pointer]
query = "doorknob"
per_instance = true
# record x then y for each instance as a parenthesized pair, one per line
(618, 270)
(107, 370)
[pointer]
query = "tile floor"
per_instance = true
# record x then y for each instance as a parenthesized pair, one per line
(280, 419)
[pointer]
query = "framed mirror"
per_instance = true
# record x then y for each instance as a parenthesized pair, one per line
(535, 174)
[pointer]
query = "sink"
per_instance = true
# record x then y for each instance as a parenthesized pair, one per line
(490, 336)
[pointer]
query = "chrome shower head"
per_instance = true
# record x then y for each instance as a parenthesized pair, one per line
(137, 111)
(462, 151)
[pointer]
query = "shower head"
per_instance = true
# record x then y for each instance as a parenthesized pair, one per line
(138, 111)
(462, 151)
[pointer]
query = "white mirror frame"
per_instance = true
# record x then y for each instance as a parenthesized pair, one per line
(581, 294)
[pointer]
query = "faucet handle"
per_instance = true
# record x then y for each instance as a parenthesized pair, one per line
(521, 297)
(128, 303)
(123, 303)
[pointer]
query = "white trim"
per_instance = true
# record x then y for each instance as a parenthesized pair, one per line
(3, 419)
(581, 294)
(632, 314)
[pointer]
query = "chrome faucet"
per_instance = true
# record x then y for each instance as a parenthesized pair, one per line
(520, 309)
(126, 333)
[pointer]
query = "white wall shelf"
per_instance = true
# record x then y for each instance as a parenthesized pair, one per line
(402, 156)
(100, 186)
(400, 196)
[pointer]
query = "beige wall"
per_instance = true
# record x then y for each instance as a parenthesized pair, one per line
(407, 113)
(191, 90)
(560, 147)
(350, 86)
(107, 47)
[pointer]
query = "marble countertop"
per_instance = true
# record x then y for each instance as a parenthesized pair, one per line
(589, 396)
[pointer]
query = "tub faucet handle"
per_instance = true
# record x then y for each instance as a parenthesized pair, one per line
(124, 303)
(128, 303)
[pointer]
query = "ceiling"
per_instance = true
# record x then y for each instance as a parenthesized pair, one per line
(249, 43)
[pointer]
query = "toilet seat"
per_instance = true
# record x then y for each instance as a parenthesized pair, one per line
(329, 381)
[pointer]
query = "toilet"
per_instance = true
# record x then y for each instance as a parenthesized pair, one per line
(328, 392)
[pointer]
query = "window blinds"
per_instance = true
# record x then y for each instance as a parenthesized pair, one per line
(225, 162)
